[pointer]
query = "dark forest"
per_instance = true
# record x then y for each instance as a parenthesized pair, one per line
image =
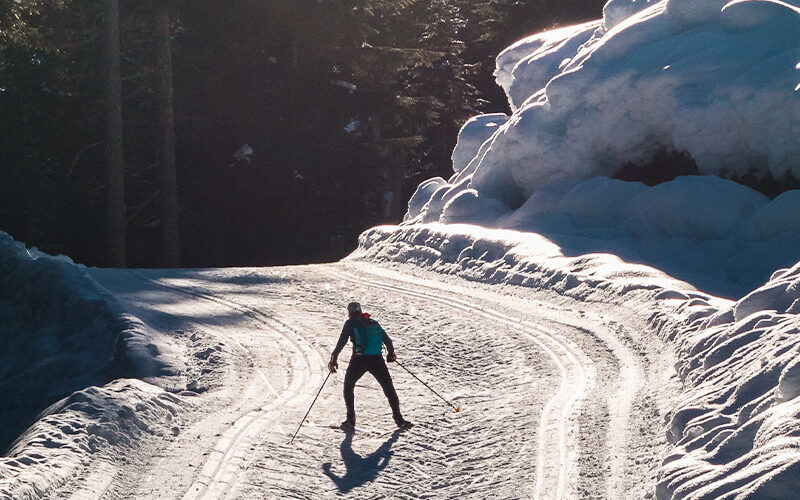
(236, 133)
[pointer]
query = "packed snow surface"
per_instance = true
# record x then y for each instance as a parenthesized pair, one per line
(720, 86)
(562, 365)
(255, 345)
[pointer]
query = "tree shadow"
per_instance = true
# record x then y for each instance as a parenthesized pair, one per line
(360, 470)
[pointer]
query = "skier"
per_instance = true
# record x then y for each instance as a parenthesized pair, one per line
(368, 338)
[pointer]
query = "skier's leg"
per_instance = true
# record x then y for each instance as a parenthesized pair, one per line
(379, 370)
(355, 370)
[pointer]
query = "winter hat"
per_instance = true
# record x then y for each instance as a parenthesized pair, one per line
(353, 307)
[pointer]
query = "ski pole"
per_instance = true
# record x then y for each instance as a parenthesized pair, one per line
(456, 408)
(309, 408)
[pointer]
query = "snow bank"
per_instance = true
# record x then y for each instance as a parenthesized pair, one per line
(94, 425)
(650, 76)
(510, 257)
(60, 332)
(722, 237)
(735, 430)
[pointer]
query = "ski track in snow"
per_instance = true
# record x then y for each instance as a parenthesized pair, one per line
(578, 375)
(524, 388)
(220, 472)
(555, 455)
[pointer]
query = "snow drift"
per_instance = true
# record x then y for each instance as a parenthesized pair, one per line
(62, 333)
(719, 85)
(736, 428)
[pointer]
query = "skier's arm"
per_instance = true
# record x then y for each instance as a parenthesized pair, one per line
(333, 364)
(342, 341)
(388, 342)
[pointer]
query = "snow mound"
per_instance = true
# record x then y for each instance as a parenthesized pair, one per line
(422, 195)
(676, 75)
(719, 85)
(61, 333)
(472, 135)
(535, 60)
(680, 75)
(736, 429)
(722, 237)
(88, 425)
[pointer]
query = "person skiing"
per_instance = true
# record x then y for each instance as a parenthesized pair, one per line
(368, 338)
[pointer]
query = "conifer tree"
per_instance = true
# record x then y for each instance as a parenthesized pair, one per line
(168, 184)
(115, 163)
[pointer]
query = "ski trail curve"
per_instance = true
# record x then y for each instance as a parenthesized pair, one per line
(557, 448)
(628, 383)
(220, 472)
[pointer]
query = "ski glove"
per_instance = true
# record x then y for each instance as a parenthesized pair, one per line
(333, 365)
(391, 357)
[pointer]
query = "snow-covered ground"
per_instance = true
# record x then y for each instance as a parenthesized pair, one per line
(560, 397)
(565, 370)
(606, 339)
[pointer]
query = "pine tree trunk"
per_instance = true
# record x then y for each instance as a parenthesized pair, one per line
(393, 178)
(170, 236)
(294, 65)
(115, 162)
(391, 174)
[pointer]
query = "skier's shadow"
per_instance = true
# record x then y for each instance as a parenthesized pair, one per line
(360, 470)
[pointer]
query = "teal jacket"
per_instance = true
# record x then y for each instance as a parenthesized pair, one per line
(365, 334)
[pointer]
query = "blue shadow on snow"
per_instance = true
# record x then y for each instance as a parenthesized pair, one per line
(360, 470)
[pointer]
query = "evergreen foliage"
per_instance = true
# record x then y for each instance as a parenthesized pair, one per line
(346, 105)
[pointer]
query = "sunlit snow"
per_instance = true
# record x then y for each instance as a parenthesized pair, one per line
(701, 264)
(649, 77)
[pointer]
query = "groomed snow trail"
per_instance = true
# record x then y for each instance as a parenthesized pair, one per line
(555, 455)
(549, 395)
(229, 457)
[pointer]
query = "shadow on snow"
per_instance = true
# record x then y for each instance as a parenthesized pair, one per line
(360, 469)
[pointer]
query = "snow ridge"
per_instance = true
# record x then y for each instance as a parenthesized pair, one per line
(65, 338)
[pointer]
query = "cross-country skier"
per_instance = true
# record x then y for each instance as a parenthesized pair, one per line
(368, 338)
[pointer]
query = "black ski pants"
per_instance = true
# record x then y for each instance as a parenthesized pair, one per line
(375, 365)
